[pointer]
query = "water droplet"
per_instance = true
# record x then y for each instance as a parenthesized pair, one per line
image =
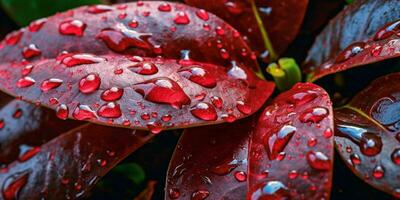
(110, 110)
(144, 68)
(224, 53)
(204, 111)
(133, 24)
(27, 70)
(200, 195)
(350, 51)
(112, 94)
(84, 112)
(53, 101)
(376, 51)
(240, 176)
(276, 143)
(31, 51)
(17, 114)
(145, 116)
(293, 174)
(181, 18)
(89, 83)
(62, 112)
(388, 30)
(396, 156)
(27, 152)
(220, 31)
(199, 76)
(312, 142)
(13, 38)
(164, 7)
(123, 38)
(370, 144)
(314, 115)
(302, 98)
(97, 9)
(13, 184)
(72, 27)
(224, 168)
(163, 90)
(72, 60)
(25, 82)
(234, 7)
(37, 25)
(271, 190)
(122, 15)
(50, 84)
(378, 172)
(217, 102)
(355, 159)
(166, 118)
(228, 118)
(154, 127)
(174, 193)
(243, 108)
(328, 133)
(236, 72)
(202, 14)
(318, 161)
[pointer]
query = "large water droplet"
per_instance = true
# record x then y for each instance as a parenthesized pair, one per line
(31, 51)
(181, 18)
(72, 27)
(204, 111)
(163, 90)
(318, 161)
(84, 112)
(110, 110)
(13, 185)
(89, 83)
(144, 68)
(112, 94)
(276, 143)
(199, 75)
(50, 84)
(25, 82)
(72, 60)
(314, 115)
(370, 144)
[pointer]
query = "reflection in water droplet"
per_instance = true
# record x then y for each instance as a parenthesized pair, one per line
(204, 111)
(89, 83)
(112, 94)
(72, 27)
(14, 184)
(110, 110)
(276, 143)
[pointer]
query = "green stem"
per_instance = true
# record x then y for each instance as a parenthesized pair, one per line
(286, 73)
(264, 34)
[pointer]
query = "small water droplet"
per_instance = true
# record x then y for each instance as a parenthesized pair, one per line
(13, 38)
(202, 14)
(174, 193)
(388, 30)
(318, 161)
(240, 176)
(314, 115)
(112, 94)
(17, 114)
(220, 31)
(89, 83)
(271, 190)
(204, 111)
(228, 118)
(133, 24)
(27, 152)
(72, 60)
(37, 25)
(355, 159)
(164, 7)
(217, 102)
(302, 98)
(199, 76)
(154, 127)
(181, 18)
(144, 68)
(97, 9)
(166, 118)
(62, 112)
(31, 51)
(84, 112)
(312, 142)
(396, 156)
(27, 70)
(72, 27)
(243, 108)
(50, 84)
(110, 110)
(350, 51)
(25, 82)
(378, 172)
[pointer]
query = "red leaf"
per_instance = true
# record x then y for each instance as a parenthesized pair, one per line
(367, 134)
(95, 82)
(358, 22)
(282, 19)
(291, 151)
(206, 161)
(216, 164)
(69, 165)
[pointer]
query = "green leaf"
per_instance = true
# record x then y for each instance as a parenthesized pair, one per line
(25, 11)
(132, 171)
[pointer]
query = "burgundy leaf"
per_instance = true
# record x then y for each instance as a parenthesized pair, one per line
(291, 150)
(358, 22)
(282, 19)
(368, 134)
(68, 166)
(211, 162)
(78, 70)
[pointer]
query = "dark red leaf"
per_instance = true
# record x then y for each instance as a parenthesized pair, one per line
(368, 135)
(211, 162)
(75, 66)
(358, 22)
(282, 20)
(291, 150)
(69, 165)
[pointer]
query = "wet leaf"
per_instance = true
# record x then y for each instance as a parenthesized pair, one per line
(207, 161)
(367, 134)
(112, 73)
(358, 22)
(291, 150)
(69, 165)
(282, 20)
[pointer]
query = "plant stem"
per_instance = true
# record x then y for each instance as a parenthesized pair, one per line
(264, 34)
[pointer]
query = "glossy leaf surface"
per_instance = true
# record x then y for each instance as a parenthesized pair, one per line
(282, 19)
(211, 162)
(188, 76)
(291, 150)
(356, 23)
(367, 134)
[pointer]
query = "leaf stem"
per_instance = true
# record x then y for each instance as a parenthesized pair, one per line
(286, 73)
(264, 34)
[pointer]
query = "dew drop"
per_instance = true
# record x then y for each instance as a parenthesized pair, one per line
(181, 18)
(200, 195)
(37, 25)
(112, 94)
(220, 31)
(240, 176)
(199, 76)
(133, 24)
(13, 38)
(145, 116)
(204, 111)
(84, 112)
(62, 111)
(202, 14)
(154, 127)
(236, 72)
(17, 114)
(166, 118)
(164, 7)
(293, 174)
(350, 51)
(110, 110)
(225, 168)
(276, 143)
(314, 115)
(318, 161)
(27, 152)
(144, 68)
(378, 172)
(217, 102)
(302, 98)
(355, 159)
(72, 27)
(27, 70)
(72, 60)
(228, 118)
(388, 30)
(89, 83)
(396, 156)
(25, 82)
(312, 142)
(31, 51)
(224, 53)
(243, 108)
(97, 9)
(271, 190)
(50, 84)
